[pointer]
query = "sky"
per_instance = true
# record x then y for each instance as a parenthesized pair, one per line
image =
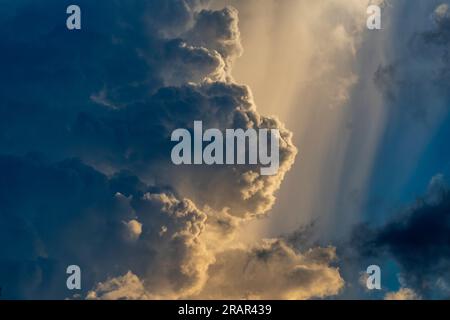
(86, 118)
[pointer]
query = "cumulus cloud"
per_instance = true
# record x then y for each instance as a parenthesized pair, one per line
(402, 294)
(127, 287)
(134, 229)
(273, 270)
(269, 270)
(85, 137)
(74, 214)
(135, 138)
(218, 31)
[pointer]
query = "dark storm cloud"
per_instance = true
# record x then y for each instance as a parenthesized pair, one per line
(55, 215)
(112, 93)
(49, 74)
(48, 222)
(418, 240)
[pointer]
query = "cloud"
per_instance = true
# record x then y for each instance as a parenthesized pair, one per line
(73, 214)
(84, 156)
(127, 287)
(121, 118)
(418, 240)
(134, 229)
(416, 80)
(273, 270)
(402, 294)
(136, 138)
(269, 270)
(218, 30)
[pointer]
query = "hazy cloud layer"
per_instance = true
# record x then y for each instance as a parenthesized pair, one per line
(416, 80)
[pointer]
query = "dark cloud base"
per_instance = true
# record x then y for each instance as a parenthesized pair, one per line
(418, 240)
